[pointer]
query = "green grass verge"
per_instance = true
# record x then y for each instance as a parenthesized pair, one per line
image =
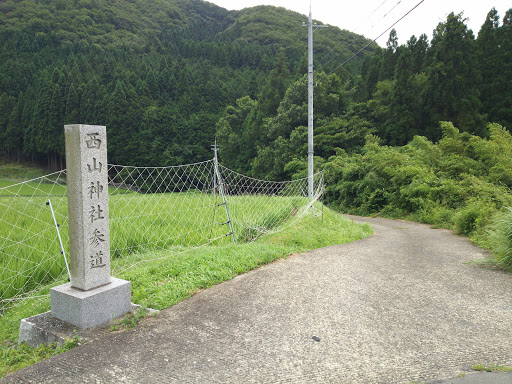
(30, 252)
(173, 277)
(491, 368)
(167, 281)
(22, 356)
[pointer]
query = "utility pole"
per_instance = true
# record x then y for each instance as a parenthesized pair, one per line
(311, 28)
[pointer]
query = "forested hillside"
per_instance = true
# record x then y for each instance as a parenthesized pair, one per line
(400, 92)
(421, 133)
(158, 73)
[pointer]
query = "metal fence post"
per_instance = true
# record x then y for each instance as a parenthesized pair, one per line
(49, 203)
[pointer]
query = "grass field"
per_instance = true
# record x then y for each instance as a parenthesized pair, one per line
(10, 188)
(30, 253)
(171, 276)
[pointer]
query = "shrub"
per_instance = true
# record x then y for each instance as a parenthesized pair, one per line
(500, 238)
(465, 220)
(459, 183)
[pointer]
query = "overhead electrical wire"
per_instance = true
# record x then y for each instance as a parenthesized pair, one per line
(364, 38)
(353, 33)
(358, 37)
(369, 31)
(391, 10)
(373, 41)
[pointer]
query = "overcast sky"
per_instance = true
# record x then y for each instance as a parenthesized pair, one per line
(372, 17)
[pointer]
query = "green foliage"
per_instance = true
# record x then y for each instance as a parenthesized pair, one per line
(474, 216)
(501, 238)
(401, 94)
(286, 132)
(267, 25)
(238, 134)
(131, 320)
(275, 88)
(450, 184)
(494, 49)
(454, 78)
(15, 357)
(408, 89)
(491, 368)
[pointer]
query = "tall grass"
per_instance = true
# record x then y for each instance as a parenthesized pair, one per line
(30, 254)
(163, 221)
(253, 215)
(500, 239)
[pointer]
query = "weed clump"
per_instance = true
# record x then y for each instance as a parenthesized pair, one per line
(500, 236)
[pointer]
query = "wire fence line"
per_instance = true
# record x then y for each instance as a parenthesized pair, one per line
(175, 208)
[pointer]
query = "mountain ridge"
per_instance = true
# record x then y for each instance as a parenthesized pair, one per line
(157, 71)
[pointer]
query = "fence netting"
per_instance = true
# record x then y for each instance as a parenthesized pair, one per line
(175, 208)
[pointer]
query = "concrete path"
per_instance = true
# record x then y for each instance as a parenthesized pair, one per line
(401, 306)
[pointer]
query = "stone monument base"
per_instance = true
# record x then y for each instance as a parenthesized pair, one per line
(87, 309)
(45, 329)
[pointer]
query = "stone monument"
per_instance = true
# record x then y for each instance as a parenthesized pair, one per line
(93, 297)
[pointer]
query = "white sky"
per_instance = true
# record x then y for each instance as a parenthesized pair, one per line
(372, 17)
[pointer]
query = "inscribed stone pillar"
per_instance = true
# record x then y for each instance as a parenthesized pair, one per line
(87, 179)
(92, 297)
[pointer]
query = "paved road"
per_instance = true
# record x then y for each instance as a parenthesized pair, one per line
(399, 307)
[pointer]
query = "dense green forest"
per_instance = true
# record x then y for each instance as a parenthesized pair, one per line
(421, 132)
(400, 92)
(158, 73)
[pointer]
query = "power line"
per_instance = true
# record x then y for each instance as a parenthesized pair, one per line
(362, 37)
(391, 10)
(373, 41)
(353, 33)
